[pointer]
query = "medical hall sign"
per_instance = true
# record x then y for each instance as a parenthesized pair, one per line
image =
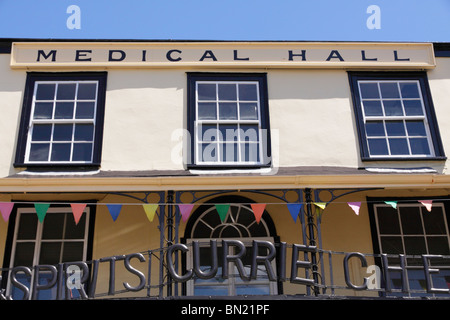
(222, 54)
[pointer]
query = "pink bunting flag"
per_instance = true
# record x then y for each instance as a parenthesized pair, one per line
(355, 206)
(427, 203)
(258, 210)
(77, 210)
(185, 210)
(6, 208)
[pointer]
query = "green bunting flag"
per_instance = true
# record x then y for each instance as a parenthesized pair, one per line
(41, 210)
(222, 210)
(393, 204)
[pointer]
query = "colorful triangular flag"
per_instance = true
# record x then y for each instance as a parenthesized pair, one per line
(355, 206)
(294, 209)
(150, 210)
(258, 210)
(222, 210)
(321, 205)
(6, 208)
(114, 210)
(427, 203)
(185, 210)
(393, 204)
(77, 210)
(41, 210)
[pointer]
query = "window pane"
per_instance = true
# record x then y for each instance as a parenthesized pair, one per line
(388, 220)
(416, 128)
(66, 91)
(50, 253)
(249, 132)
(248, 92)
(413, 107)
(411, 222)
(228, 132)
(211, 290)
(64, 110)
(62, 132)
(228, 111)
(43, 110)
(206, 91)
(250, 152)
(434, 221)
(391, 245)
(398, 146)
(409, 90)
(419, 146)
(438, 245)
(377, 146)
(85, 110)
(87, 91)
(207, 111)
(389, 90)
(229, 152)
(392, 108)
(415, 245)
(395, 128)
(227, 92)
(61, 152)
(53, 226)
(208, 152)
(73, 251)
(82, 152)
(375, 129)
(27, 226)
(75, 231)
(369, 90)
(41, 132)
(84, 132)
(45, 91)
(208, 132)
(248, 111)
(24, 254)
(372, 108)
(39, 151)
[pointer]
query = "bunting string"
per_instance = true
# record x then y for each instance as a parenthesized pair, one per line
(185, 209)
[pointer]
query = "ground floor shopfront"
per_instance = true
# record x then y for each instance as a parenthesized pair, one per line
(89, 238)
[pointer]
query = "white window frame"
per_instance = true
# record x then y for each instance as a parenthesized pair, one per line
(54, 121)
(198, 124)
(403, 118)
(38, 240)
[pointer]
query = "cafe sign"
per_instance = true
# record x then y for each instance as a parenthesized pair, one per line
(348, 55)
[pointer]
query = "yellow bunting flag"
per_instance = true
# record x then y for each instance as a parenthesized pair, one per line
(150, 210)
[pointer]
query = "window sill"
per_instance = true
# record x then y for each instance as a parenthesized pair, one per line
(417, 159)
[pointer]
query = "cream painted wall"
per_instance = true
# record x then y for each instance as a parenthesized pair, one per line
(311, 117)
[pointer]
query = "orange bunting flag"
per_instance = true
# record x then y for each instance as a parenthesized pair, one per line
(77, 210)
(427, 203)
(355, 206)
(185, 210)
(150, 210)
(258, 210)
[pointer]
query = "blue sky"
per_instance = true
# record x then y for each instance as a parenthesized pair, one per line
(291, 20)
